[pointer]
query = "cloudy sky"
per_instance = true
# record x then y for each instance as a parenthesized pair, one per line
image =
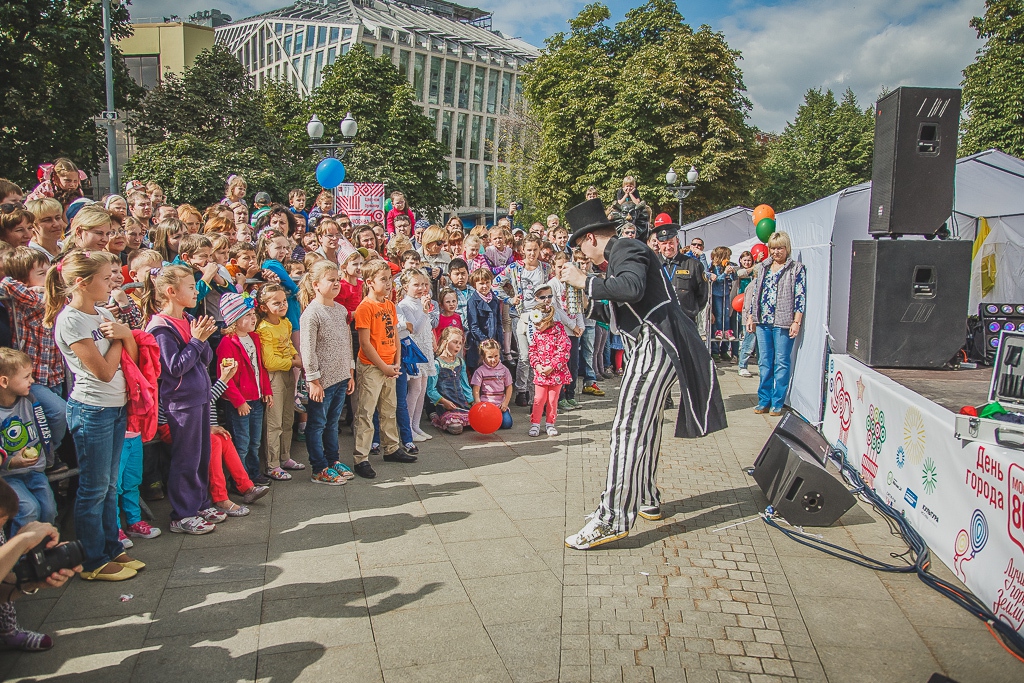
(788, 46)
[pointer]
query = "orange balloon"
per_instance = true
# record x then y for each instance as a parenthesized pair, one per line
(763, 211)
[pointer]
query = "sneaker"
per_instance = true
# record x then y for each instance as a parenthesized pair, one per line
(364, 470)
(730, 335)
(718, 334)
(651, 512)
(300, 435)
(761, 410)
(423, 434)
(26, 641)
(745, 373)
(255, 493)
(342, 470)
(535, 430)
(608, 373)
(552, 431)
(125, 541)
(262, 480)
(196, 526)
(419, 438)
(232, 509)
(563, 405)
(143, 530)
(775, 412)
(411, 449)
(299, 408)
(522, 399)
(212, 515)
(593, 390)
(593, 534)
(455, 428)
(374, 449)
(328, 477)
(153, 492)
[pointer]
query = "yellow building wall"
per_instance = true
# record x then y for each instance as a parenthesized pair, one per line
(177, 44)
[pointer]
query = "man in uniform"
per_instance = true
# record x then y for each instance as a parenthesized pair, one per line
(685, 272)
(662, 346)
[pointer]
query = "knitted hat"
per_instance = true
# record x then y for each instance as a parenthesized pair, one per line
(233, 307)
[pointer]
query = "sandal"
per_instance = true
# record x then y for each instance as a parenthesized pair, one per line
(277, 474)
(232, 509)
(290, 464)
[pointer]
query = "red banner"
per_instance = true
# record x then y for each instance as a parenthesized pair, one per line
(363, 202)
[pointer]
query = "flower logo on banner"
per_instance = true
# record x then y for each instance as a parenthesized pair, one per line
(875, 425)
(969, 542)
(842, 406)
(901, 457)
(929, 476)
(914, 436)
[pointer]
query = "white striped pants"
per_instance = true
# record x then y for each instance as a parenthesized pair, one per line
(636, 431)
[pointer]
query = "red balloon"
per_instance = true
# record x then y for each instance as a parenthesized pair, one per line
(485, 417)
(737, 303)
(759, 252)
(763, 211)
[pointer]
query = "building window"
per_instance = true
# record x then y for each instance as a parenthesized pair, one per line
(435, 80)
(434, 115)
(319, 68)
(449, 83)
(489, 140)
(460, 136)
(474, 139)
(403, 37)
(478, 89)
(288, 45)
(334, 35)
(492, 92)
(298, 42)
(465, 77)
(481, 55)
(460, 180)
(403, 64)
(346, 33)
(446, 131)
(345, 47)
(310, 35)
(371, 48)
(387, 34)
(278, 28)
(487, 185)
(288, 28)
(248, 60)
(474, 171)
(506, 93)
(387, 51)
(145, 71)
(332, 54)
(419, 66)
(277, 52)
(307, 72)
(321, 36)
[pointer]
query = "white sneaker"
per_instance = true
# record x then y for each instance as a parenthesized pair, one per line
(535, 430)
(416, 436)
(552, 431)
(426, 437)
(745, 373)
(593, 534)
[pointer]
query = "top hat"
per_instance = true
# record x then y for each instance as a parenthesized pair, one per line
(585, 218)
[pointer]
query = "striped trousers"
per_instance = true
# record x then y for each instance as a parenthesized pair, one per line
(636, 431)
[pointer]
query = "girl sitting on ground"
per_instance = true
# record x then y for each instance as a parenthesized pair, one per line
(449, 388)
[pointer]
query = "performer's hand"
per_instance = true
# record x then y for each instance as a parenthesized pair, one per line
(571, 275)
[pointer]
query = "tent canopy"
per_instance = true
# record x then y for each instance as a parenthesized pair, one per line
(724, 228)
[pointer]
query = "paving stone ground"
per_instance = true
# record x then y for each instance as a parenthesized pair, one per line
(454, 569)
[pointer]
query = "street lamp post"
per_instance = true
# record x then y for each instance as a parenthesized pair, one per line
(110, 115)
(348, 129)
(681, 191)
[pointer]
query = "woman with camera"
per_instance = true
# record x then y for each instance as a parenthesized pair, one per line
(12, 636)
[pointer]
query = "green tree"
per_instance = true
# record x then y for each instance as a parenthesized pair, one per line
(649, 94)
(51, 58)
(826, 148)
(994, 84)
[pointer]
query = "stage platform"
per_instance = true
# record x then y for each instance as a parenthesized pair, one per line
(951, 389)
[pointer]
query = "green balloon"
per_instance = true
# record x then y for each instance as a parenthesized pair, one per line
(765, 229)
(387, 205)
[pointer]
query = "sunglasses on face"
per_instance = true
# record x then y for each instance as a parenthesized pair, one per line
(11, 208)
(546, 297)
(697, 246)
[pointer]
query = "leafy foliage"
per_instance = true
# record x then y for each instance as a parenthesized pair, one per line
(993, 86)
(51, 58)
(826, 148)
(649, 94)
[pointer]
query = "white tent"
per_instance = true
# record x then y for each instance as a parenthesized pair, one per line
(989, 190)
(724, 228)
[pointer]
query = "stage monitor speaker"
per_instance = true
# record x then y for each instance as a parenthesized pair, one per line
(796, 483)
(908, 302)
(914, 160)
(996, 319)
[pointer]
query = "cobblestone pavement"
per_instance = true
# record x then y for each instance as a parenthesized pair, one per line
(453, 569)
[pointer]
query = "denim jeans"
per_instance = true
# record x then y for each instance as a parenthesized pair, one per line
(404, 425)
(56, 410)
(35, 499)
(322, 427)
(247, 433)
(99, 436)
(747, 347)
(775, 350)
(724, 321)
(587, 355)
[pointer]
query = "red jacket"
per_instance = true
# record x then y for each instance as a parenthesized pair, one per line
(395, 212)
(141, 380)
(242, 386)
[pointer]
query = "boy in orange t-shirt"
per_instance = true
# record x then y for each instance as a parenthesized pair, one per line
(379, 364)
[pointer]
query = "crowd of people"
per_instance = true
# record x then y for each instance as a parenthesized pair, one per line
(182, 351)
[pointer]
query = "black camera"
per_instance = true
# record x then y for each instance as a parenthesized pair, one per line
(40, 562)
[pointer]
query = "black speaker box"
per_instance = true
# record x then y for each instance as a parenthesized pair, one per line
(914, 160)
(790, 474)
(908, 302)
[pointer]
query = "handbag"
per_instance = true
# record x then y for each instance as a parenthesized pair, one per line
(411, 357)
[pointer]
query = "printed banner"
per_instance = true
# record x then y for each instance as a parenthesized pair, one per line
(363, 202)
(966, 499)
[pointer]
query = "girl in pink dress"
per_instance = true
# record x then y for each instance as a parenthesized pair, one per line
(549, 357)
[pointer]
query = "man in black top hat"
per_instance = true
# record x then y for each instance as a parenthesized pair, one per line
(663, 346)
(685, 272)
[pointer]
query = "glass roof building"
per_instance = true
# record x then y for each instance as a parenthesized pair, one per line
(463, 73)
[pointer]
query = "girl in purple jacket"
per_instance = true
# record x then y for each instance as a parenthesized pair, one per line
(185, 356)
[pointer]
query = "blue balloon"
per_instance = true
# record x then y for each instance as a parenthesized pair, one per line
(330, 173)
